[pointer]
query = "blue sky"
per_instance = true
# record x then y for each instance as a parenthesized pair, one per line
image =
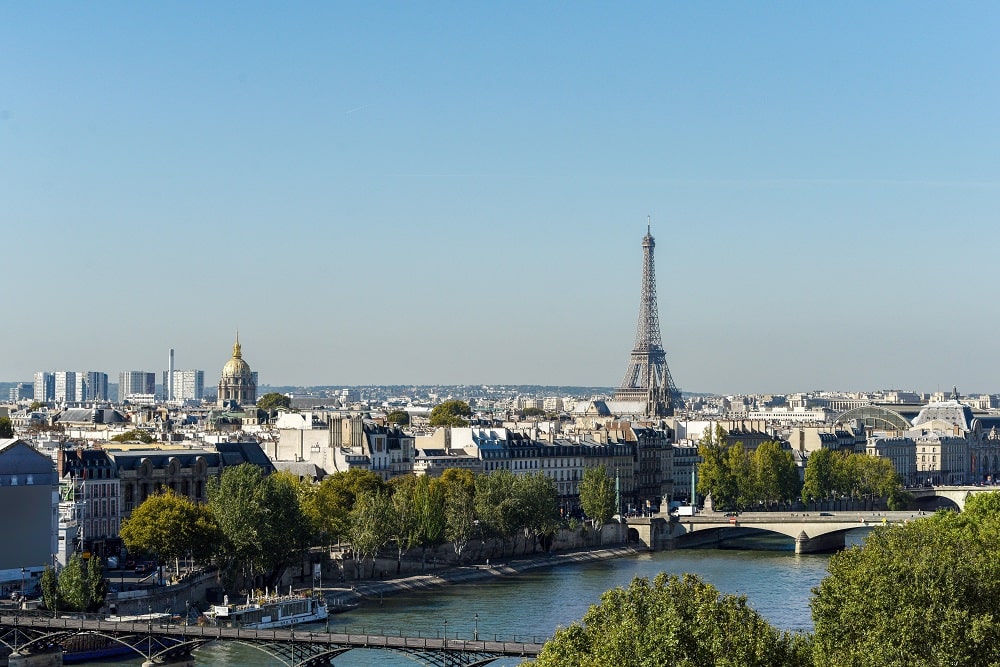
(457, 192)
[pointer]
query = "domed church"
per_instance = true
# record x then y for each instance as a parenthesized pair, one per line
(238, 384)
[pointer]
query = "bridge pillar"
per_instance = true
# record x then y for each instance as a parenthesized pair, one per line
(823, 543)
(185, 662)
(52, 659)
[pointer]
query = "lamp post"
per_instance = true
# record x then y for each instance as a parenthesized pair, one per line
(21, 598)
(446, 633)
(475, 634)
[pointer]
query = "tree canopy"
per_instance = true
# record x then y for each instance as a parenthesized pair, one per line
(451, 413)
(171, 526)
(673, 621)
(263, 525)
(597, 495)
(271, 401)
(6, 427)
(398, 417)
(135, 435)
(738, 478)
(922, 593)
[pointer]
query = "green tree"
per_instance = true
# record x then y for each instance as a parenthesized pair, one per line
(775, 474)
(398, 417)
(170, 527)
(331, 503)
(538, 498)
(459, 517)
(35, 406)
(49, 584)
(371, 525)
(97, 585)
(497, 505)
(451, 413)
(263, 526)
(597, 495)
(271, 401)
(673, 621)
(533, 412)
(406, 516)
(74, 589)
(923, 593)
(714, 474)
(820, 475)
(6, 427)
(740, 477)
(135, 435)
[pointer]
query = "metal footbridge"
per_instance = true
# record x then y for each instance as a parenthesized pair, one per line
(36, 641)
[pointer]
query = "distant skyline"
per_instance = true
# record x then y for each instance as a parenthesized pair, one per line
(456, 193)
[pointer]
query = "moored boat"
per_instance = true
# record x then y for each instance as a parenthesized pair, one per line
(269, 611)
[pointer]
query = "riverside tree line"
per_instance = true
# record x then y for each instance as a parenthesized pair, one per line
(739, 479)
(925, 593)
(255, 525)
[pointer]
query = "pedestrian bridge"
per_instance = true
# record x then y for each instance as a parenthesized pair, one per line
(35, 641)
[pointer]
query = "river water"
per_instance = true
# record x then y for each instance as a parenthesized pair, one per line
(531, 606)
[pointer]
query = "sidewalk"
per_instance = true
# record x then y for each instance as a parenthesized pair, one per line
(470, 573)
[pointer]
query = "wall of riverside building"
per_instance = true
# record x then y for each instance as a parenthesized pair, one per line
(25, 526)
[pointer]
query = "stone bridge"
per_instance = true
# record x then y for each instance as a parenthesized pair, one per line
(954, 497)
(812, 532)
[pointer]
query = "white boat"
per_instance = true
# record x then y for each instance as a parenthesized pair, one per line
(269, 611)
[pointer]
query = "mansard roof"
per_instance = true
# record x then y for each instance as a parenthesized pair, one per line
(951, 412)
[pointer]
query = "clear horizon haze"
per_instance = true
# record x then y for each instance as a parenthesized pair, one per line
(456, 193)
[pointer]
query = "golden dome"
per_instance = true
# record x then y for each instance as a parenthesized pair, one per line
(236, 367)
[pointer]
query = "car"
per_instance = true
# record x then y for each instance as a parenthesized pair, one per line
(143, 568)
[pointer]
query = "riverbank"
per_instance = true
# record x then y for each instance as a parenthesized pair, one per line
(370, 590)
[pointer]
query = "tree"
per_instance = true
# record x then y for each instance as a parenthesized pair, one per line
(262, 523)
(398, 417)
(135, 435)
(171, 527)
(533, 412)
(371, 525)
(271, 401)
(6, 427)
(673, 621)
(921, 593)
(775, 475)
(405, 521)
(451, 413)
(538, 497)
(35, 406)
(497, 504)
(714, 475)
(597, 495)
(459, 517)
(331, 503)
(80, 586)
(820, 475)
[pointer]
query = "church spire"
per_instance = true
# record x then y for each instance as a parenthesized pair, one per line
(237, 352)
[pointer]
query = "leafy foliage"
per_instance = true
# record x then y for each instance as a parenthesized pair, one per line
(451, 413)
(80, 586)
(673, 621)
(830, 474)
(170, 526)
(6, 427)
(737, 478)
(371, 524)
(398, 417)
(921, 593)
(597, 495)
(271, 401)
(330, 505)
(262, 523)
(135, 435)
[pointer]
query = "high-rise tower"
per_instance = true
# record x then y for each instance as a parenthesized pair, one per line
(648, 379)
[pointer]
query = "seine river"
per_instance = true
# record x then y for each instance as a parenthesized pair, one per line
(532, 605)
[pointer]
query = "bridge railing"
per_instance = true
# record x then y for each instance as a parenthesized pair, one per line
(72, 620)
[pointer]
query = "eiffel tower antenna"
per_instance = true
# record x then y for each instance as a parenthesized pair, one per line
(648, 378)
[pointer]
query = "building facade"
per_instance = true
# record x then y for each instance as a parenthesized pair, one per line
(135, 383)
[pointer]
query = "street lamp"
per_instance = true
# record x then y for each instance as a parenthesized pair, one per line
(475, 634)
(446, 633)
(21, 599)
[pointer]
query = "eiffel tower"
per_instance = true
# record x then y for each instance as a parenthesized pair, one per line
(648, 379)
